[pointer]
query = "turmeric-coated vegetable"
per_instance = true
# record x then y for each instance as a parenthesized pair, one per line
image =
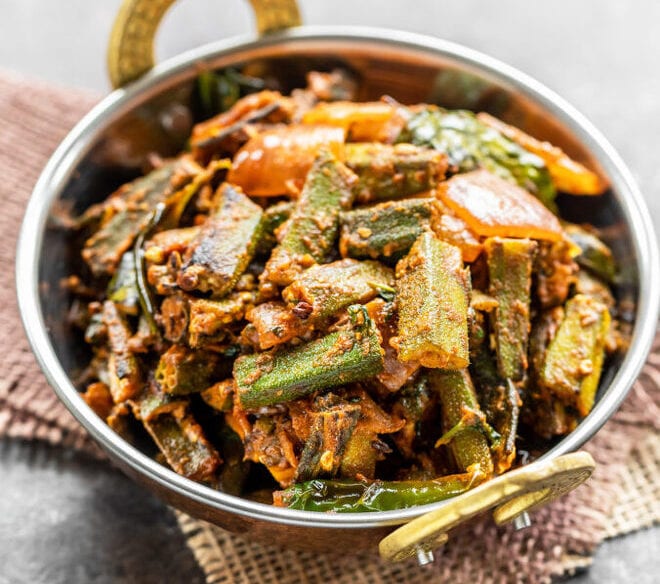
(129, 210)
(182, 441)
(181, 371)
(123, 366)
(510, 272)
(323, 290)
(387, 171)
(224, 247)
(351, 300)
(276, 161)
(433, 297)
(595, 255)
(386, 231)
(463, 419)
(574, 359)
(309, 235)
(363, 122)
(339, 358)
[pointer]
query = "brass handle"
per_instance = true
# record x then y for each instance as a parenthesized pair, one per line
(510, 494)
(131, 48)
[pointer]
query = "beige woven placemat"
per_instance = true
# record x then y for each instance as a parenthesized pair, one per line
(622, 496)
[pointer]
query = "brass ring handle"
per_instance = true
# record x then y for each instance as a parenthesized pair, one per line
(131, 48)
(510, 495)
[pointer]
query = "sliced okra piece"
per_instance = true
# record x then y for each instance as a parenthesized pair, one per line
(326, 289)
(135, 202)
(502, 408)
(123, 367)
(181, 440)
(96, 332)
(310, 234)
(433, 297)
(209, 319)
(554, 271)
(268, 441)
(463, 422)
(177, 203)
(414, 402)
(395, 373)
(181, 371)
(499, 398)
(388, 171)
(235, 469)
(386, 231)
(264, 379)
(122, 289)
(593, 286)
(158, 249)
(275, 323)
(364, 447)
(544, 329)
(273, 217)
(352, 496)
(510, 273)
(152, 401)
(541, 409)
(574, 358)
(225, 245)
(174, 317)
(595, 255)
(331, 428)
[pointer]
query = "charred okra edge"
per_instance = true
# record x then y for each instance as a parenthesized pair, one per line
(224, 247)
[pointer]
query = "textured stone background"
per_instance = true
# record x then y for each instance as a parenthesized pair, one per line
(66, 519)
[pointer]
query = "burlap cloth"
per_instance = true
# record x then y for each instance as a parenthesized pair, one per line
(622, 496)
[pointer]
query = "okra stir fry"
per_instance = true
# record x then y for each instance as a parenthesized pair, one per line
(335, 305)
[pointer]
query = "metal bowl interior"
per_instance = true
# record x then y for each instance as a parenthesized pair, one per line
(110, 143)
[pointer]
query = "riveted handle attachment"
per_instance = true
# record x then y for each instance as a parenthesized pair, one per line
(131, 48)
(509, 495)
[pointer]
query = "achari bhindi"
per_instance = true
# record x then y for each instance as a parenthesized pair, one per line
(352, 306)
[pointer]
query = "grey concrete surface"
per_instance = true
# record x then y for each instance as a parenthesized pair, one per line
(64, 518)
(67, 519)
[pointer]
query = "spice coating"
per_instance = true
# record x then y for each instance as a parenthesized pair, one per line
(344, 306)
